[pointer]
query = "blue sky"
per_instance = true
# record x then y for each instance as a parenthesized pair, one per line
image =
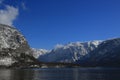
(46, 23)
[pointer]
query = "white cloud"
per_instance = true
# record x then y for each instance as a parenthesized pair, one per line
(8, 15)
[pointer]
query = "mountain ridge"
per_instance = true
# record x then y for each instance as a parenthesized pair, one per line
(107, 54)
(69, 52)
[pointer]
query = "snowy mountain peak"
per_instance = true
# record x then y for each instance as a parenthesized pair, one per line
(95, 43)
(106, 54)
(38, 52)
(69, 52)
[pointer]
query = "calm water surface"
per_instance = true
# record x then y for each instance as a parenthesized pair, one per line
(61, 74)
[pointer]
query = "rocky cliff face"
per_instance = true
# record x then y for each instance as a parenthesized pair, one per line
(13, 46)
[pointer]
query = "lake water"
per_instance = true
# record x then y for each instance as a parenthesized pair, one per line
(61, 74)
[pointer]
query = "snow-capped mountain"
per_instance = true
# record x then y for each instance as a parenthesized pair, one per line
(107, 54)
(92, 53)
(69, 52)
(13, 46)
(38, 52)
(15, 49)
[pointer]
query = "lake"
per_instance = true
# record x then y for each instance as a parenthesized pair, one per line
(61, 74)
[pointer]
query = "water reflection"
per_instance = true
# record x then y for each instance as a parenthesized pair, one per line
(61, 74)
(5, 74)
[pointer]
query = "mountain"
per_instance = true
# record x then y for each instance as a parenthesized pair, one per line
(106, 54)
(13, 46)
(38, 52)
(69, 53)
(15, 51)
